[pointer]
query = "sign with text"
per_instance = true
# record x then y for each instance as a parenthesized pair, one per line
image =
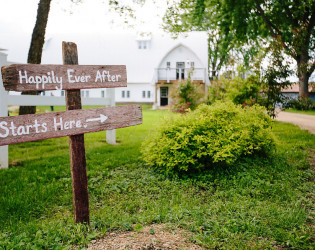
(74, 122)
(39, 77)
(25, 128)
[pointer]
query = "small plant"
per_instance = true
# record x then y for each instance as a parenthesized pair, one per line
(221, 133)
(186, 95)
(138, 227)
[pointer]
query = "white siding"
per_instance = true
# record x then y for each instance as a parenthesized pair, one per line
(135, 90)
(181, 54)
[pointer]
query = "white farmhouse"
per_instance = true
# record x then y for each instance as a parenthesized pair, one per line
(154, 61)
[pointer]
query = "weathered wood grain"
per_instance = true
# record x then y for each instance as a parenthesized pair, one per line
(40, 77)
(80, 194)
(118, 117)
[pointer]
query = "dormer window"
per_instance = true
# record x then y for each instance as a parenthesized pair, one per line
(143, 44)
(144, 40)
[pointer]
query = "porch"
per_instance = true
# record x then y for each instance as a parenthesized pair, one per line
(171, 75)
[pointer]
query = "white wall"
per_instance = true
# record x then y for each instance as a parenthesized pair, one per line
(136, 95)
(181, 54)
(184, 54)
(135, 92)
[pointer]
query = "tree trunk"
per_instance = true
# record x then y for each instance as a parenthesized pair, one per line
(303, 84)
(303, 75)
(36, 47)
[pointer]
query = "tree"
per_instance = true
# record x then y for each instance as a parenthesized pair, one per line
(188, 15)
(289, 23)
(38, 38)
(36, 47)
(294, 29)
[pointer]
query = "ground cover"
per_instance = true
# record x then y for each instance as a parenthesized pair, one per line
(257, 203)
(304, 112)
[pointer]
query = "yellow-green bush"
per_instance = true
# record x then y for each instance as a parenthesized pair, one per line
(220, 133)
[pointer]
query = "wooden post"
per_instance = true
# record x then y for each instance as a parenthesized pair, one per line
(111, 134)
(4, 150)
(76, 146)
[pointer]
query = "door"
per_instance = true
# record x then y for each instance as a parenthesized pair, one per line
(164, 96)
(180, 70)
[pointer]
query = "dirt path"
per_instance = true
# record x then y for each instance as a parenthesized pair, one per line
(303, 121)
(150, 237)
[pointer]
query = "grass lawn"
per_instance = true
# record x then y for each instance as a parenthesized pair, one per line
(304, 112)
(257, 203)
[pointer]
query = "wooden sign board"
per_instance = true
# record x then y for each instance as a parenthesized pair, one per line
(25, 128)
(39, 77)
(74, 122)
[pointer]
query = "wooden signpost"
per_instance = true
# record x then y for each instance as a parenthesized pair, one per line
(24, 128)
(74, 122)
(39, 77)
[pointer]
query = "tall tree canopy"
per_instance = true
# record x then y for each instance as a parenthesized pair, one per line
(289, 23)
(186, 15)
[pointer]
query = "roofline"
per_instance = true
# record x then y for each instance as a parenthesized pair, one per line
(175, 47)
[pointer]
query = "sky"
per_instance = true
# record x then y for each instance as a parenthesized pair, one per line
(89, 16)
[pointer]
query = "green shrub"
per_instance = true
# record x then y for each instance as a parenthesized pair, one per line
(218, 90)
(186, 95)
(302, 103)
(238, 90)
(220, 133)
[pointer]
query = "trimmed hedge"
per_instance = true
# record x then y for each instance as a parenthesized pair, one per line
(220, 133)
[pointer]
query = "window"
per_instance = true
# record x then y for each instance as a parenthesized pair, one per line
(103, 94)
(62, 93)
(149, 94)
(125, 93)
(164, 92)
(192, 64)
(143, 94)
(168, 64)
(142, 44)
(85, 93)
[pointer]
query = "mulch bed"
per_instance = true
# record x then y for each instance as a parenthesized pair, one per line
(149, 237)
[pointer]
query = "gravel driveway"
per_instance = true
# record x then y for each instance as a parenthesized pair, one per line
(303, 121)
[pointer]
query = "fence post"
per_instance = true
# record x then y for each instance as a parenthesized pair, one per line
(4, 150)
(111, 134)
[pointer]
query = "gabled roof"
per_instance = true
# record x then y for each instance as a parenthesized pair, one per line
(180, 44)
